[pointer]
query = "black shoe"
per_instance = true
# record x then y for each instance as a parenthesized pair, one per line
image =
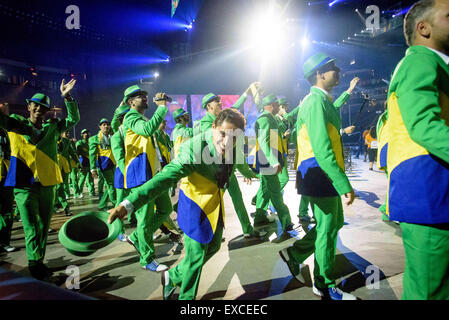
(40, 271)
(67, 212)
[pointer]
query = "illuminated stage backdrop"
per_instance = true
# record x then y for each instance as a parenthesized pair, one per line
(250, 110)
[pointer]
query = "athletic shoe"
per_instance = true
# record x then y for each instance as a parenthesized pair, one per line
(255, 234)
(122, 237)
(160, 237)
(293, 266)
(167, 287)
(155, 266)
(333, 294)
(296, 232)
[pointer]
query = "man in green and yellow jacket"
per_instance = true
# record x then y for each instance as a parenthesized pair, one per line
(321, 174)
(212, 104)
(181, 132)
(64, 157)
(142, 162)
(7, 197)
(34, 170)
(418, 151)
(82, 148)
(205, 170)
(270, 159)
(100, 154)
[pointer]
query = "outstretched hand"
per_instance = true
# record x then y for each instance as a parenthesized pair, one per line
(353, 83)
(67, 87)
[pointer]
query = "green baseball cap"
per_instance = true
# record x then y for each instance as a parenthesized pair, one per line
(132, 91)
(87, 232)
(282, 101)
(103, 121)
(41, 99)
(121, 110)
(271, 98)
(178, 113)
(207, 98)
(84, 131)
(314, 63)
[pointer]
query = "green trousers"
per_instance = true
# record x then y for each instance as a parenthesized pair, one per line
(100, 184)
(426, 275)
(122, 194)
(270, 190)
(6, 214)
(148, 221)
(110, 194)
(283, 180)
(187, 273)
(63, 191)
(74, 182)
(321, 239)
(239, 205)
(85, 176)
(35, 206)
(304, 206)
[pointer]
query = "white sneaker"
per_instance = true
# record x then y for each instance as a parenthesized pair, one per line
(155, 266)
(160, 237)
(334, 294)
(80, 196)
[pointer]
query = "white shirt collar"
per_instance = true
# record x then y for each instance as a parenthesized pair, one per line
(441, 54)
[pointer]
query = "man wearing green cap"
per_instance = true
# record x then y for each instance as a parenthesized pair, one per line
(100, 152)
(212, 104)
(269, 162)
(181, 132)
(321, 175)
(142, 162)
(34, 170)
(82, 148)
(7, 197)
(64, 157)
(418, 151)
(205, 168)
(75, 166)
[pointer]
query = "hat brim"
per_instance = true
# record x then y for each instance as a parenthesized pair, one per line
(87, 232)
(319, 66)
(40, 103)
(125, 99)
(209, 100)
(180, 115)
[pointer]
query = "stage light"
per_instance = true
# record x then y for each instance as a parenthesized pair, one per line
(267, 34)
(156, 74)
(305, 42)
(167, 59)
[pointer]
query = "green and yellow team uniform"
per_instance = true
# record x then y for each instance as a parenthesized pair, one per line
(180, 135)
(418, 167)
(82, 148)
(270, 153)
(100, 155)
(7, 197)
(34, 172)
(64, 157)
(321, 177)
(75, 165)
(141, 164)
(204, 128)
(201, 207)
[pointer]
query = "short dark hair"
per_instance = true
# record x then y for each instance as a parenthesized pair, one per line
(418, 11)
(231, 115)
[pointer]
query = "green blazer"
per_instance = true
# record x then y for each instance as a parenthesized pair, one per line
(118, 150)
(82, 148)
(418, 139)
(34, 153)
(320, 171)
(200, 207)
